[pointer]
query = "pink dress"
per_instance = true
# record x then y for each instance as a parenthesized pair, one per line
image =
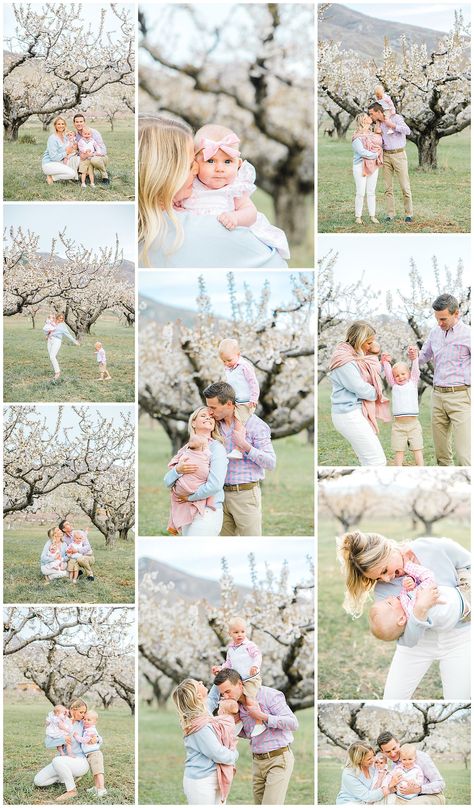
(372, 142)
(183, 513)
(204, 200)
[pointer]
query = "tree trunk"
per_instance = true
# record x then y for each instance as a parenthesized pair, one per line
(427, 144)
(427, 526)
(293, 209)
(110, 539)
(123, 534)
(10, 130)
(33, 321)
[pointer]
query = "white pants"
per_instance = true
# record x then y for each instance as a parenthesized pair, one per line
(452, 649)
(209, 524)
(54, 345)
(52, 572)
(202, 792)
(62, 769)
(364, 186)
(62, 171)
(355, 428)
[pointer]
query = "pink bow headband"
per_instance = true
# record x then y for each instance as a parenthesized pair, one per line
(211, 147)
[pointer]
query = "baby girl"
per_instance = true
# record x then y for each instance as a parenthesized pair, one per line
(241, 376)
(58, 563)
(385, 102)
(388, 617)
(406, 427)
(224, 184)
(383, 777)
(58, 730)
(90, 739)
(182, 511)
(412, 774)
(50, 324)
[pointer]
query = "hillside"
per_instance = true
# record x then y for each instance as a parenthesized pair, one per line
(189, 587)
(165, 313)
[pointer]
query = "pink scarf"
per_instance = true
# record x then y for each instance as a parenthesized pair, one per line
(223, 726)
(369, 368)
(371, 142)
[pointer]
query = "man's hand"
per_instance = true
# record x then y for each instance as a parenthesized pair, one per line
(409, 788)
(412, 352)
(184, 467)
(215, 669)
(408, 584)
(388, 122)
(239, 437)
(256, 713)
(229, 220)
(253, 670)
(182, 497)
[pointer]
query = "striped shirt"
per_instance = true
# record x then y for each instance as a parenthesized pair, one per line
(251, 467)
(280, 725)
(394, 138)
(451, 353)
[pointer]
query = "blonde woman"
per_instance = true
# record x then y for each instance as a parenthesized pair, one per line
(52, 554)
(357, 400)
(374, 564)
(368, 156)
(361, 782)
(204, 752)
(209, 523)
(60, 160)
(170, 236)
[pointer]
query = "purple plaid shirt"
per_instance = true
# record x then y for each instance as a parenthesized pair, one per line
(451, 353)
(251, 467)
(280, 725)
(398, 139)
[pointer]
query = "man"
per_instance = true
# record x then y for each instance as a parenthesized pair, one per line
(431, 792)
(272, 758)
(242, 495)
(100, 159)
(449, 346)
(86, 559)
(395, 161)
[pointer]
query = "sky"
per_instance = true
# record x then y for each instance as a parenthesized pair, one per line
(69, 417)
(387, 269)
(202, 557)
(90, 13)
(438, 16)
(405, 478)
(93, 225)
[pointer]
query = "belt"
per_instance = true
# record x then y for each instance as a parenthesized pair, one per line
(241, 486)
(273, 753)
(457, 389)
(393, 151)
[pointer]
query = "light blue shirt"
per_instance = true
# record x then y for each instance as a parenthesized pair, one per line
(61, 331)
(349, 388)
(360, 152)
(55, 149)
(207, 243)
(214, 486)
(443, 557)
(45, 556)
(355, 787)
(203, 751)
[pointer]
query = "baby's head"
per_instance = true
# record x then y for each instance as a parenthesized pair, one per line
(217, 155)
(237, 630)
(60, 711)
(77, 536)
(407, 755)
(379, 91)
(90, 719)
(401, 372)
(229, 352)
(380, 761)
(86, 133)
(228, 707)
(198, 443)
(387, 619)
(98, 346)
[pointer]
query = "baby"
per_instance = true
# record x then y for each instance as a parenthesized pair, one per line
(90, 739)
(406, 428)
(50, 324)
(224, 184)
(382, 778)
(74, 552)
(59, 729)
(244, 657)
(182, 511)
(102, 360)
(388, 617)
(386, 103)
(412, 773)
(87, 149)
(241, 376)
(231, 707)
(58, 563)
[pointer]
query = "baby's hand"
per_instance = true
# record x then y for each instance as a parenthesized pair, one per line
(215, 669)
(408, 584)
(252, 405)
(229, 220)
(385, 357)
(412, 352)
(253, 670)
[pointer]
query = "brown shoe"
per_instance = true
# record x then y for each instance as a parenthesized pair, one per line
(68, 795)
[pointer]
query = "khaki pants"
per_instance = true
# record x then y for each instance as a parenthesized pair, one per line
(252, 686)
(271, 777)
(397, 164)
(243, 412)
(96, 762)
(85, 562)
(100, 163)
(242, 513)
(451, 423)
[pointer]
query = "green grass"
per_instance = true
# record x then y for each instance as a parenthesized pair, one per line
(23, 178)
(161, 761)
(352, 664)
(457, 777)
(334, 450)
(23, 583)
(302, 255)
(441, 198)
(28, 373)
(25, 754)
(287, 495)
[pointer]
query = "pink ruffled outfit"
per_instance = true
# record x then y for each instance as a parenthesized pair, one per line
(370, 369)
(372, 142)
(183, 513)
(204, 200)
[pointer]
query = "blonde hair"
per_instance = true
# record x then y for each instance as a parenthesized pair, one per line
(58, 707)
(357, 333)
(93, 714)
(188, 702)
(383, 627)
(74, 705)
(236, 621)
(357, 552)
(59, 118)
(359, 121)
(408, 749)
(228, 344)
(191, 431)
(163, 167)
(356, 754)
(399, 365)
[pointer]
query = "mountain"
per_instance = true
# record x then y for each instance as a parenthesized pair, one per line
(126, 269)
(189, 587)
(165, 313)
(366, 35)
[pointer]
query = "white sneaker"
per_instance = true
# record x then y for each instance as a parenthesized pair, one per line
(235, 454)
(257, 730)
(238, 727)
(101, 792)
(92, 790)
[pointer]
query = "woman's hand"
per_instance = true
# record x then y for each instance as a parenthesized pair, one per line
(182, 497)
(426, 597)
(184, 467)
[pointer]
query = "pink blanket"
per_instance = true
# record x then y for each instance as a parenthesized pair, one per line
(183, 513)
(369, 367)
(371, 142)
(224, 727)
